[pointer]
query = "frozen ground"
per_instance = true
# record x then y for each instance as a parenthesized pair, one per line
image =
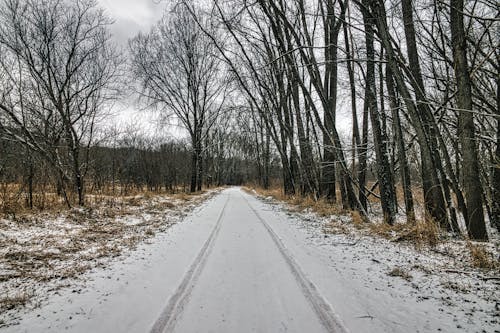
(376, 285)
(242, 264)
(40, 253)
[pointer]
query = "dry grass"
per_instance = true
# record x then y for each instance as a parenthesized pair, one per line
(13, 198)
(357, 220)
(320, 206)
(401, 272)
(336, 227)
(37, 248)
(480, 257)
(275, 192)
(10, 302)
(417, 192)
(460, 288)
(421, 233)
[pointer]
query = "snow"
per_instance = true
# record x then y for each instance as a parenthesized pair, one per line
(352, 270)
(246, 285)
(255, 265)
(47, 254)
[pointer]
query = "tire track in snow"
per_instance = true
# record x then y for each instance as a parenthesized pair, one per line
(329, 319)
(169, 316)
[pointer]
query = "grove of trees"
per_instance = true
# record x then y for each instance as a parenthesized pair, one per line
(335, 99)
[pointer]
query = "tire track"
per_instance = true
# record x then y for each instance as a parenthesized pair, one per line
(329, 319)
(169, 316)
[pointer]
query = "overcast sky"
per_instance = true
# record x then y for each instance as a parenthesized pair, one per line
(131, 17)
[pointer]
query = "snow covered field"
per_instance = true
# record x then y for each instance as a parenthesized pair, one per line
(44, 253)
(241, 263)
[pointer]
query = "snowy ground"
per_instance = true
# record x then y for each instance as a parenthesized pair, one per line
(391, 286)
(242, 264)
(42, 253)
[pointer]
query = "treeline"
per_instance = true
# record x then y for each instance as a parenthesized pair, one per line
(257, 84)
(411, 75)
(128, 166)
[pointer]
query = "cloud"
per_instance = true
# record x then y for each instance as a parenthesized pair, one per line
(132, 16)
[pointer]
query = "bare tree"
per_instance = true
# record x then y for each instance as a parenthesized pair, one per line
(384, 173)
(470, 165)
(59, 70)
(180, 74)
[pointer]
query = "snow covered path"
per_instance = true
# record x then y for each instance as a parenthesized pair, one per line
(244, 280)
(238, 264)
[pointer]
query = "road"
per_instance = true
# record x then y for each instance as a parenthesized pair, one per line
(240, 264)
(245, 280)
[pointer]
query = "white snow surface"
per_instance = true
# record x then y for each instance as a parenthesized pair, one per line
(240, 264)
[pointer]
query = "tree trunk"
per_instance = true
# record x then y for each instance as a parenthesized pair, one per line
(433, 184)
(31, 175)
(495, 182)
(267, 160)
(79, 187)
(356, 141)
(435, 207)
(386, 183)
(194, 171)
(362, 152)
(328, 188)
(400, 146)
(304, 144)
(470, 165)
(330, 156)
(78, 178)
(199, 164)
(199, 177)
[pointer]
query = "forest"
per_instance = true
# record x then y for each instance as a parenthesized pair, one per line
(382, 105)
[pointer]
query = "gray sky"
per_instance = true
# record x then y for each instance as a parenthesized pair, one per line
(131, 17)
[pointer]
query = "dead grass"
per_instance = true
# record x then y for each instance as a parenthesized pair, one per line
(13, 200)
(336, 227)
(10, 302)
(320, 206)
(37, 248)
(480, 257)
(357, 220)
(421, 233)
(45, 199)
(401, 272)
(463, 289)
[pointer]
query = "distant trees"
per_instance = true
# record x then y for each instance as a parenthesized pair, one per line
(129, 163)
(181, 75)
